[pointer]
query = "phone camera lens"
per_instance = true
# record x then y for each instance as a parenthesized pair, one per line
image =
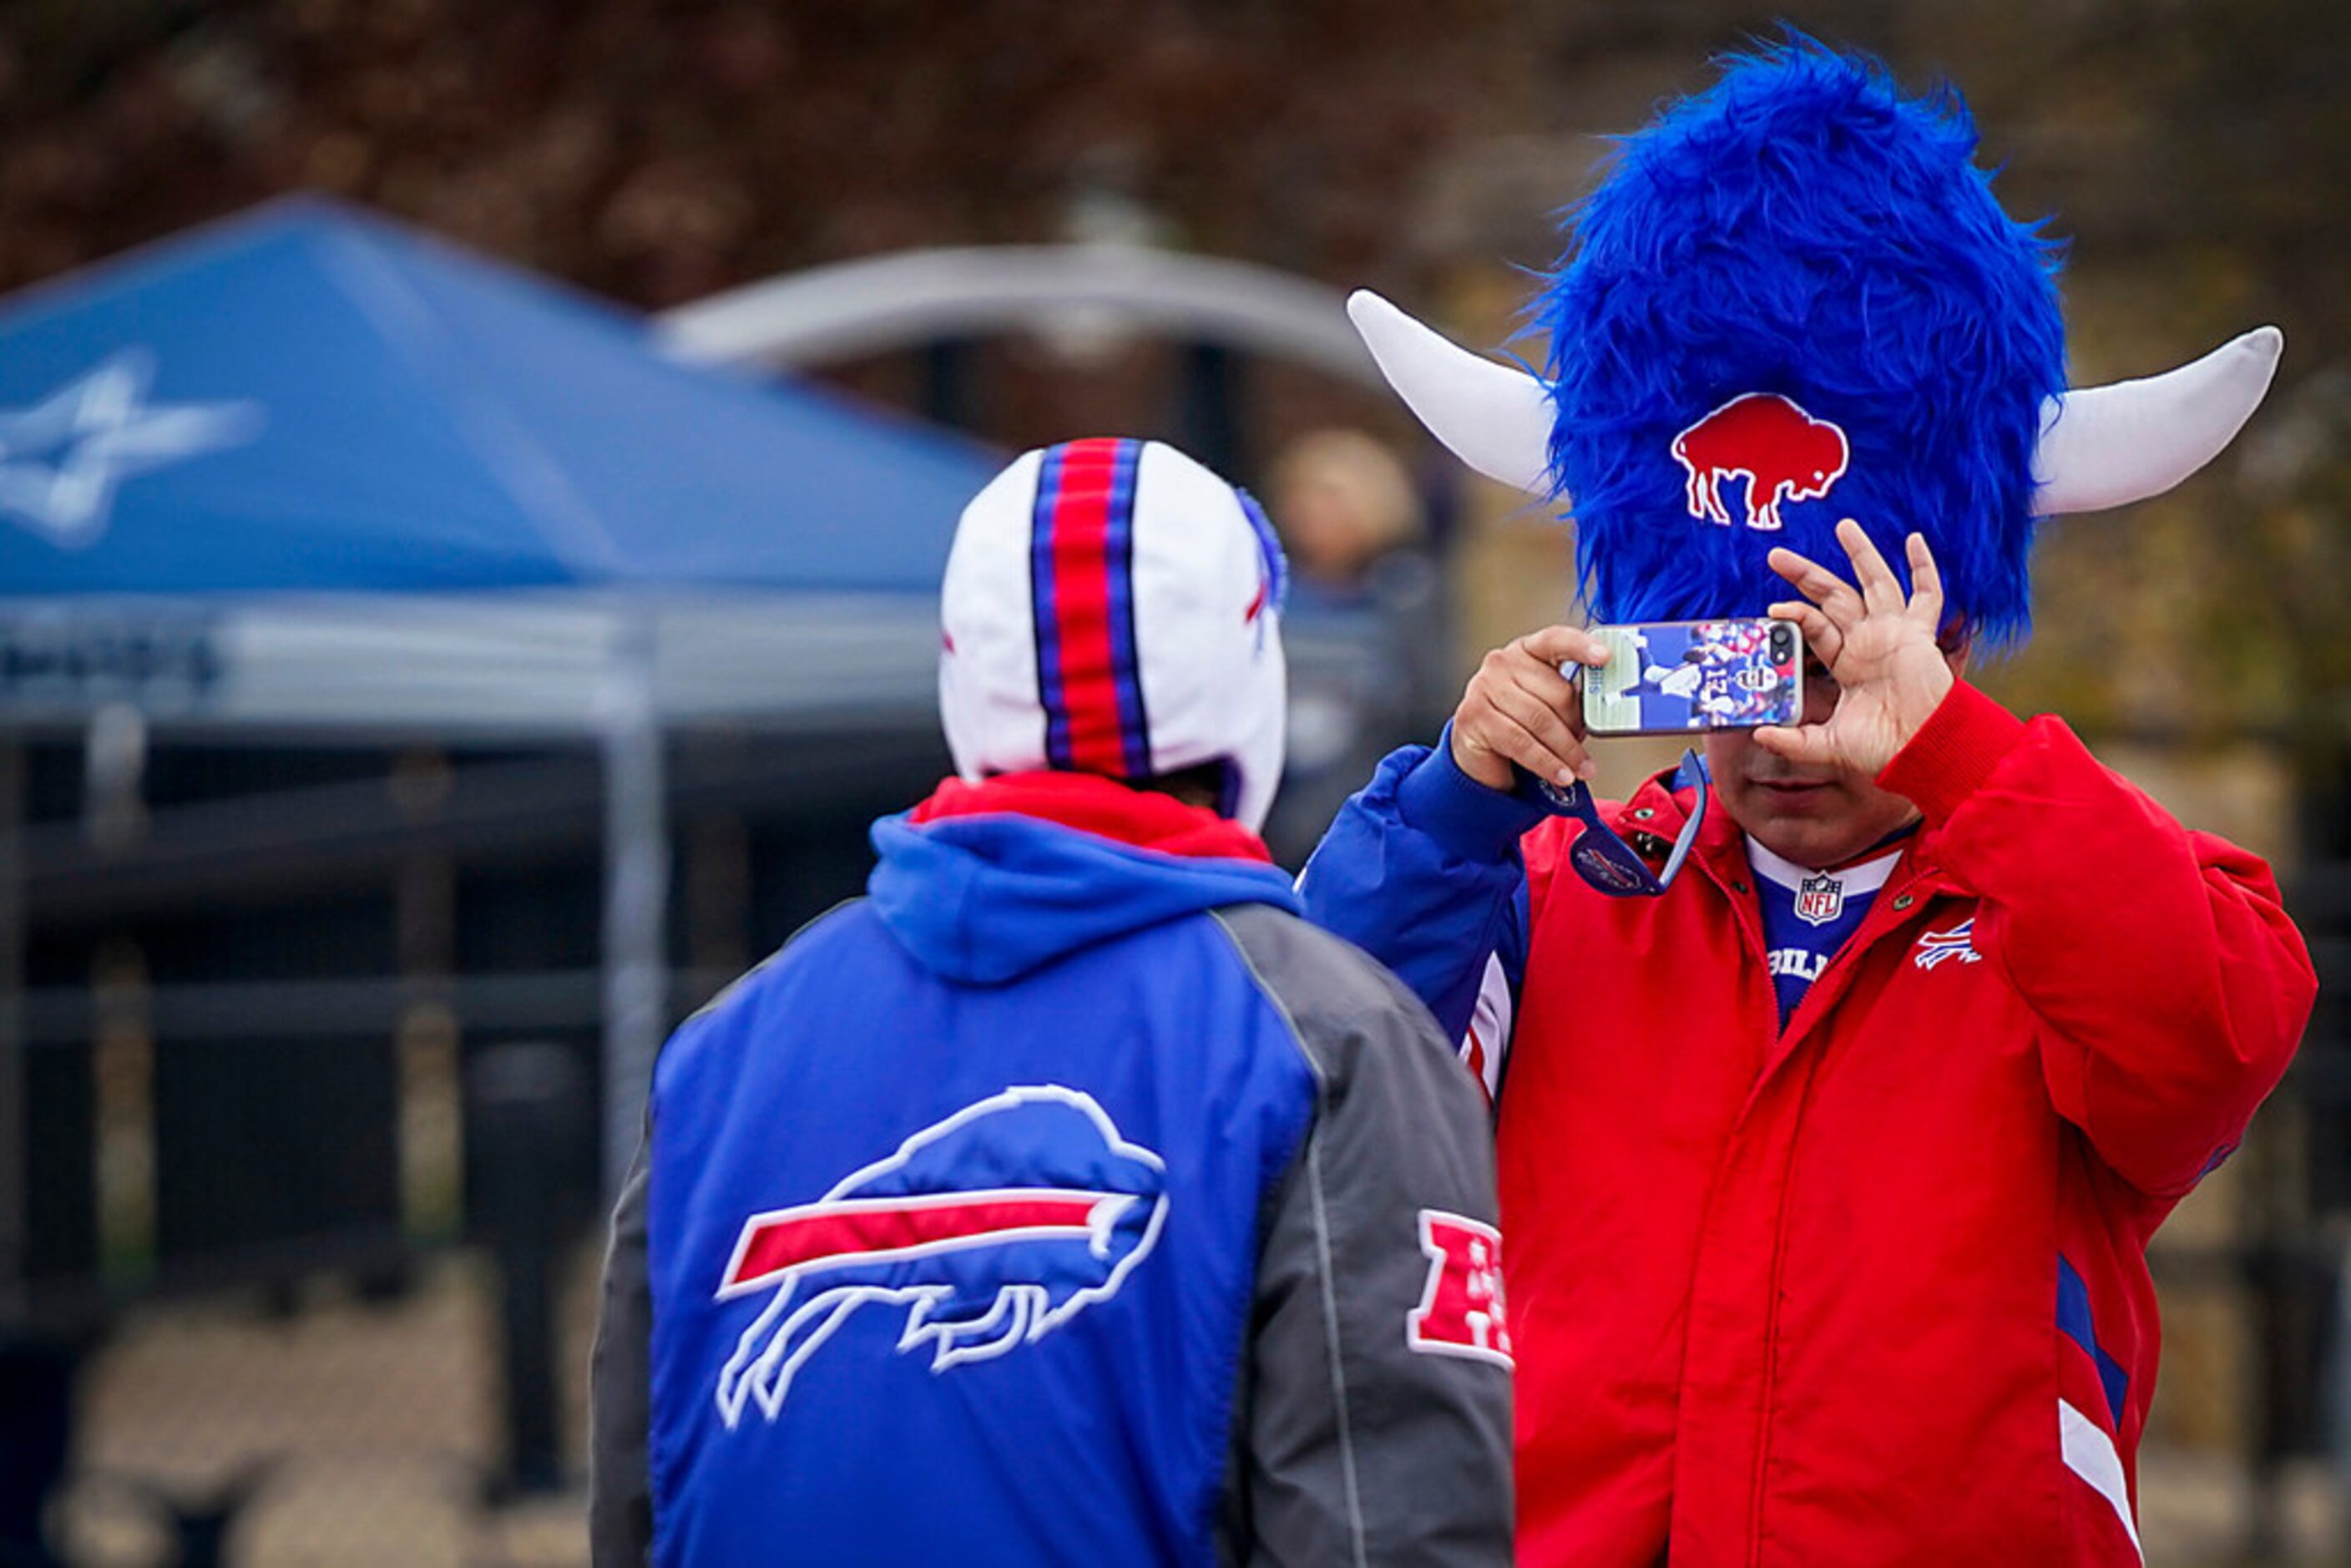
(1780, 643)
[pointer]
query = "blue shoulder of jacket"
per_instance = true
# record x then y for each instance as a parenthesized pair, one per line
(851, 920)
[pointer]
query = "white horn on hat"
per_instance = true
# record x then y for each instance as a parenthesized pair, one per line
(1495, 418)
(2110, 445)
(2099, 447)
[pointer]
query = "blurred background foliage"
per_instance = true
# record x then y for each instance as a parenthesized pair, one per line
(2195, 152)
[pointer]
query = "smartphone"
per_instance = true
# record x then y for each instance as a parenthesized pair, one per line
(1669, 677)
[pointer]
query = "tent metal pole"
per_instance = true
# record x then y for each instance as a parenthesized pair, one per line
(636, 895)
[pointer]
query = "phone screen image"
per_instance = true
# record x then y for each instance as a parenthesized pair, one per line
(1679, 675)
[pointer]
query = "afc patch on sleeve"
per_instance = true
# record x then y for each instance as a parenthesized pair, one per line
(1462, 1311)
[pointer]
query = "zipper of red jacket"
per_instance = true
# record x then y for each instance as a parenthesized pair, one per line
(1897, 903)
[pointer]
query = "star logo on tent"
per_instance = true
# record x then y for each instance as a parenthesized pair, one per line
(62, 459)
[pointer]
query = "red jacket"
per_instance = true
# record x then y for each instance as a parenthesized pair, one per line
(1871, 1289)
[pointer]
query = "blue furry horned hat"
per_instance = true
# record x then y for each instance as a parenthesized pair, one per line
(1793, 299)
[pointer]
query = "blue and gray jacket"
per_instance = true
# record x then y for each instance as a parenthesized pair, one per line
(1060, 1202)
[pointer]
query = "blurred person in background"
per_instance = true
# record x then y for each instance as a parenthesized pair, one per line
(1347, 514)
(1353, 528)
(1830, 1166)
(1068, 1198)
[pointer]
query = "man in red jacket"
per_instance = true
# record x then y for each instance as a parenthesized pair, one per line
(1829, 1164)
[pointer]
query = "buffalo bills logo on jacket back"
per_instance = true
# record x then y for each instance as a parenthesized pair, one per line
(990, 1230)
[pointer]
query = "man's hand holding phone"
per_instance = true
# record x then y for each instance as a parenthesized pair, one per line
(1880, 648)
(1877, 644)
(1520, 709)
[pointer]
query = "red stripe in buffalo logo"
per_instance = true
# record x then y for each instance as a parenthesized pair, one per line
(876, 1229)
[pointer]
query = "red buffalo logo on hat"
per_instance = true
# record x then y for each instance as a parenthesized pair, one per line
(1783, 452)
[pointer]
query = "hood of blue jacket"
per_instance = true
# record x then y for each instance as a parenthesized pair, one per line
(984, 899)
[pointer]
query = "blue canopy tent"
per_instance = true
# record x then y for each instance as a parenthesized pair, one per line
(305, 470)
(305, 402)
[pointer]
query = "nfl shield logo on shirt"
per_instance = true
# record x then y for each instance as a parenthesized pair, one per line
(1819, 900)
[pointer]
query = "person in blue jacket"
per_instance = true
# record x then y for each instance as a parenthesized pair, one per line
(1068, 1198)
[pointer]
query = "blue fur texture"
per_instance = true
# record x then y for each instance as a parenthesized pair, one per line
(1802, 228)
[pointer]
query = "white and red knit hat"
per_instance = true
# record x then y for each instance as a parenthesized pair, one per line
(1112, 607)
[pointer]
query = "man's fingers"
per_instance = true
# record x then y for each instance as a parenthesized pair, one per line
(1925, 583)
(1807, 744)
(1512, 667)
(1520, 708)
(1557, 646)
(1816, 582)
(1881, 591)
(1820, 633)
(1552, 747)
(1547, 685)
(1497, 734)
